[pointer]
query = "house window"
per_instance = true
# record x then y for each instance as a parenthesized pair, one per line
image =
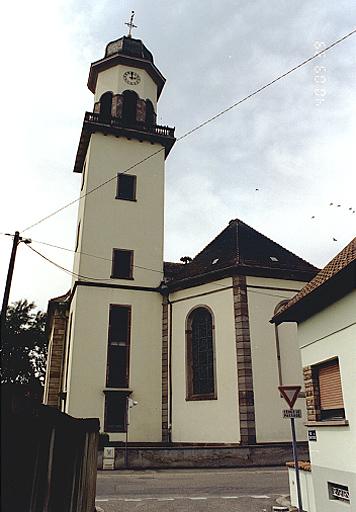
(330, 390)
(122, 264)
(126, 187)
(118, 357)
(200, 356)
(115, 412)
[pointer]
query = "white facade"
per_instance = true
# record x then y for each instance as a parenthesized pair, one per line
(328, 334)
(214, 421)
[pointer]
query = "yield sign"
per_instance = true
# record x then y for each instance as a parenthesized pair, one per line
(290, 394)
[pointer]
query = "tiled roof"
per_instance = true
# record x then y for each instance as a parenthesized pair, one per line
(341, 261)
(171, 268)
(242, 249)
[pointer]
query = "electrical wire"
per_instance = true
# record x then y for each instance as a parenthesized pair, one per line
(110, 279)
(91, 255)
(66, 270)
(198, 127)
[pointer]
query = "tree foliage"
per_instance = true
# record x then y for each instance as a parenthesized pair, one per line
(24, 344)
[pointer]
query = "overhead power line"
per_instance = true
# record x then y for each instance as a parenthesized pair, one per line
(198, 127)
(110, 279)
(91, 255)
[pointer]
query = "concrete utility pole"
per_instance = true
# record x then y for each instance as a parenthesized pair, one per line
(5, 302)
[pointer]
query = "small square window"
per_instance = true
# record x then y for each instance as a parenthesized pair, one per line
(126, 187)
(122, 263)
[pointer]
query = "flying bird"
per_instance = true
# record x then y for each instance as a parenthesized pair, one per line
(335, 240)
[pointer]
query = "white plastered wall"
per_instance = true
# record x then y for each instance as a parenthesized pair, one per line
(209, 420)
(88, 357)
(108, 223)
(264, 294)
(112, 80)
(328, 334)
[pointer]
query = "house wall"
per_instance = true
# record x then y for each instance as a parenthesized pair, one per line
(209, 421)
(327, 334)
(264, 294)
(88, 357)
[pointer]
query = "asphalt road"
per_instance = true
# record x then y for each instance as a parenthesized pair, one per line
(195, 490)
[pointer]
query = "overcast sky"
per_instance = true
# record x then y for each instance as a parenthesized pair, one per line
(298, 151)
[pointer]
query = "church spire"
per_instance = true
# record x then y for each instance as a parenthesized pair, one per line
(130, 24)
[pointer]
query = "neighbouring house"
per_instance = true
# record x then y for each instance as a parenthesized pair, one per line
(191, 343)
(325, 311)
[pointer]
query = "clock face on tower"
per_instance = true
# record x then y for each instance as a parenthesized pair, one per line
(131, 77)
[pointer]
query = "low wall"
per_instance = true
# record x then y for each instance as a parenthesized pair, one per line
(306, 488)
(273, 454)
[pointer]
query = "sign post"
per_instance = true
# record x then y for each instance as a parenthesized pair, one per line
(290, 394)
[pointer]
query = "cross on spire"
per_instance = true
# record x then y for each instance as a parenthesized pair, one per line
(130, 24)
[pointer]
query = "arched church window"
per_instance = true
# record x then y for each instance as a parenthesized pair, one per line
(150, 113)
(129, 107)
(105, 105)
(200, 355)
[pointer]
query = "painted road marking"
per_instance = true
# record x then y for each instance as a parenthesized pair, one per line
(157, 498)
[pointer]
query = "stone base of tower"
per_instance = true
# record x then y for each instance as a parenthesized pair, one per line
(157, 456)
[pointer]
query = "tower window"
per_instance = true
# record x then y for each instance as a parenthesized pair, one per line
(105, 105)
(126, 187)
(115, 412)
(122, 263)
(117, 370)
(77, 239)
(200, 356)
(117, 373)
(129, 107)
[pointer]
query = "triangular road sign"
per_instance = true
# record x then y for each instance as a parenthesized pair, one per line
(290, 394)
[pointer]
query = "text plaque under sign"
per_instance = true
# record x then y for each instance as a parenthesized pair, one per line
(312, 435)
(292, 413)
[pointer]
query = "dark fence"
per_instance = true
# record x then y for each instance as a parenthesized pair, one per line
(49, 459)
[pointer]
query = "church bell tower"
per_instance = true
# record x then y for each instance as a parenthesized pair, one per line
(114, 338)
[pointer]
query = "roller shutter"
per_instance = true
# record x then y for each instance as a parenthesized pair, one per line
(330, 386)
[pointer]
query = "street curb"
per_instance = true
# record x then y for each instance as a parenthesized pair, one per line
(284, 501)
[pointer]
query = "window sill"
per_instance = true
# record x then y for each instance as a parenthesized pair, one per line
(327, 423)
(195, 398)
(126, 199)
(123, 278)
(128, 391)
